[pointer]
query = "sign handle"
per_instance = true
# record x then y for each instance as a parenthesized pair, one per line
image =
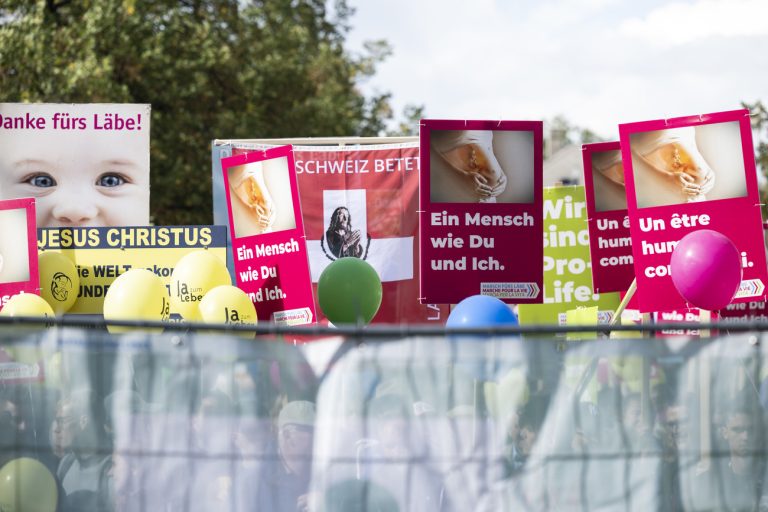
(630, 293)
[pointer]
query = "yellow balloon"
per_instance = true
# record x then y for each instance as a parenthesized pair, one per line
(195, 275)
(59, 282)
(227, 305)
(28, 355)
(26, 485)
(27, 304)
(136, 295)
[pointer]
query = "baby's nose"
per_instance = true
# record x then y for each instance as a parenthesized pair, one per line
(75, 213)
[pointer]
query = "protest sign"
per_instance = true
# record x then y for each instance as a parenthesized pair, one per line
(18, 249)
(687, 174)
(86, 165)
(609, 240)
(752, 311)
(567, 266)
(364, 193)
(480, 213)
(269, 249)
(102, 254)
(582, 316)
(693, 315)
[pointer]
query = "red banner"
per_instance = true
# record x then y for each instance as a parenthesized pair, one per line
(363, 202)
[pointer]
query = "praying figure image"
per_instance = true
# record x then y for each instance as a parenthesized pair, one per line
(342, 240)
(470, 153)
(247, 182)
(674, 156)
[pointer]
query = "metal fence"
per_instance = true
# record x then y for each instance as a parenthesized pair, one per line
(385, 419)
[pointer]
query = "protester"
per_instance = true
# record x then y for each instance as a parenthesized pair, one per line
(733, 481)
(397, 455)
(213, 448)
(14, 434)
(672, 434)
(84, 469)
(635, 427)
(529, 426)
(285, 485)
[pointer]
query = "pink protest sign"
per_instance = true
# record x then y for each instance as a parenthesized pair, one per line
(752, 311)
(684, 316)
(481, 210)
(268, 244)
(18, 249)
(687, 174)
(610, 244)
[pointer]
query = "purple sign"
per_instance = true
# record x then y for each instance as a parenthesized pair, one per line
(481, 213)
(610, 245)
(687, 174)
(268, 244)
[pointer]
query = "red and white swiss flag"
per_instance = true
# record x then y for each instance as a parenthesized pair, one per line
(361, 201)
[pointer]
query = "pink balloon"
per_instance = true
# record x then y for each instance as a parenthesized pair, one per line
(706, 269)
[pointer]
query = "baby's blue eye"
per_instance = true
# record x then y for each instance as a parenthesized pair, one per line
(42, 181)
(110, 180)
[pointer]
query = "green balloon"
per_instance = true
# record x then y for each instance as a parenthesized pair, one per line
(26, 485)
(349, 291)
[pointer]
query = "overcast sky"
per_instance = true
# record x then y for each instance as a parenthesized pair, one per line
(596, 62)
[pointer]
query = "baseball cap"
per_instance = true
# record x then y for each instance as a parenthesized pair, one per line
(297, 413)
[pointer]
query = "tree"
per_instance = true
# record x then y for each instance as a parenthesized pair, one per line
(408, 126)
(562, 133)
(759, 118)
(209, 68)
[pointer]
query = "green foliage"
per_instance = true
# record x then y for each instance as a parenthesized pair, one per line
(408, 126)
(562, 133)
(759, 118)
(209, 68)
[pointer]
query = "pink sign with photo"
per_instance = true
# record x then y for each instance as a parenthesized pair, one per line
(481, 211)
(687, 174)
(268, 243)
(610, 244)
(18, 249)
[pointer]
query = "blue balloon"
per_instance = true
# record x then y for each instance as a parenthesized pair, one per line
(481, 311)
(474, 354)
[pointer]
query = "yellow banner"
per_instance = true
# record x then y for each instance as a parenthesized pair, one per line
(102, 254)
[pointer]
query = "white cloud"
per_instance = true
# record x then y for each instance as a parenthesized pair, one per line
(520, 60)
(680, 23)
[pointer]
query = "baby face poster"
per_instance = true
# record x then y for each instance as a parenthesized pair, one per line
(480, 212)
(85, 165)
(687, 174)
(609, 240)
(268, 242)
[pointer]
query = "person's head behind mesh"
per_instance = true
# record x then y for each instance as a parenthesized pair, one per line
(12, 415)
(531, 420)
(298, 413)
(82, 413)
(295, 436)
(739, 430)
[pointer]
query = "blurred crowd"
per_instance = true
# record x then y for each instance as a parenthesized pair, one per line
(247, 435)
